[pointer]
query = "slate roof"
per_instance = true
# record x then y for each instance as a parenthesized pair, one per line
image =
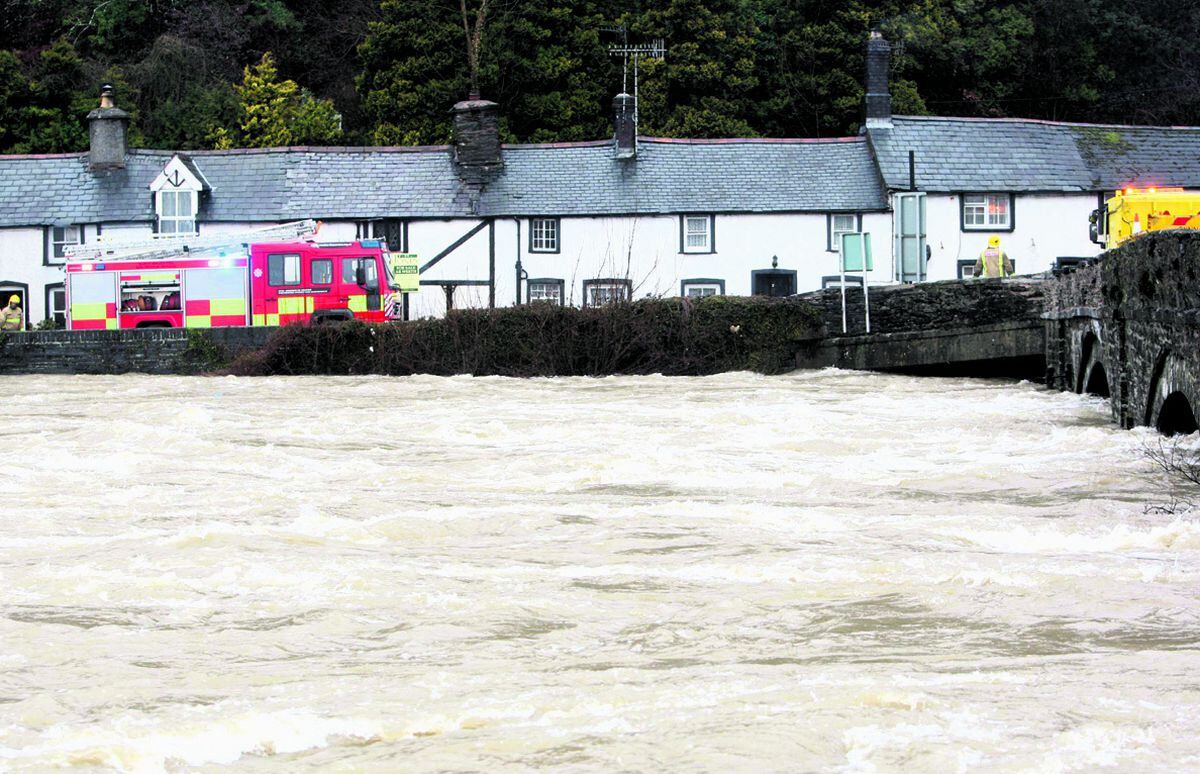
(984, 154)
(279, 184)
(670, 176)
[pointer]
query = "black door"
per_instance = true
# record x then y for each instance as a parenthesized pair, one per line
(774, 283)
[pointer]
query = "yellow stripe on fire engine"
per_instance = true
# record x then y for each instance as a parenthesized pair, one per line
(226, 306)
(89, 311)
(199, 321)
(357, 303)
(293, 305)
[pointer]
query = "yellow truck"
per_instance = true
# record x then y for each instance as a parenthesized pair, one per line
(1136, 211)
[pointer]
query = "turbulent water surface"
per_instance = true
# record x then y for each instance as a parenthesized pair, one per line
(820, 570)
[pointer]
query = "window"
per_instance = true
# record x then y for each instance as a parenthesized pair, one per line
(350, 272)
(966, 268)
(987, 212)
(176, 212)
(600, 292)
(546, 290)
(56, 304)
(322, 271)
(62, 237)
(838, 224)
(696, 234)
(283, 270)
(543, 235)
(699, 288)
(391, 230)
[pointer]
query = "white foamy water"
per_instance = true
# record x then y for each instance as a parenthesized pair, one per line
(822, 570)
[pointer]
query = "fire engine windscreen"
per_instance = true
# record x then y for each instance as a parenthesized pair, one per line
(387, 271)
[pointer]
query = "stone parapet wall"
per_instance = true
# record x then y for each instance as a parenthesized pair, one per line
(146, 350)
(933, 305)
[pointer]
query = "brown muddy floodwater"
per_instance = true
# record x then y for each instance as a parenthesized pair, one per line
(824, 570)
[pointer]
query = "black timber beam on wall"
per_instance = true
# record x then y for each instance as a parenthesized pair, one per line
(455, 245)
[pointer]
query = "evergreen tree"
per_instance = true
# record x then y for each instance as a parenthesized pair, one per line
(274, 112)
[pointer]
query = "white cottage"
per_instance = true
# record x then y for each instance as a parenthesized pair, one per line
(591, 222)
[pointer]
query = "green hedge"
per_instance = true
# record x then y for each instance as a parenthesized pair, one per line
(669, 336)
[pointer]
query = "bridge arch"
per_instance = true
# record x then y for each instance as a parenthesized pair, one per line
(1091, 373)
(1170, 404)
(1176, 416)
(1096, 381)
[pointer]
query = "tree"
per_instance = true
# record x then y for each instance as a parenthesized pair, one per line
(706, 86)
(411, 73)
(274, 112)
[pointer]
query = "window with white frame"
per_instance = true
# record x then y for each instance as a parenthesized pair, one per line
(600, 292)
(546, 290)
(176, 212)
(543, 235)
(842, 223)
(987, 212)
(699, 288)
(696, 234)
(61, 237)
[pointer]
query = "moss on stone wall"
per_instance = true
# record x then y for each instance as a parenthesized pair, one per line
(670, 336)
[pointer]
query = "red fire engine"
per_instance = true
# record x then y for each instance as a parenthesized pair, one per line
(271, 276)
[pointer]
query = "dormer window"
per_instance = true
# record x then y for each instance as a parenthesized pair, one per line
(177, 192)
(176, 212)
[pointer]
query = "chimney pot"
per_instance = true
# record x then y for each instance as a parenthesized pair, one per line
(877, 104)
(625, 125)
(108, 129)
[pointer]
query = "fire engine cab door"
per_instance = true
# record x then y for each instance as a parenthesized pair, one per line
(359, 276)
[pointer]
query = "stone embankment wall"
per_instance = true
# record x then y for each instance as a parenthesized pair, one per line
(972, 328)
(148, 350)
(931, 305)
(1128, 327)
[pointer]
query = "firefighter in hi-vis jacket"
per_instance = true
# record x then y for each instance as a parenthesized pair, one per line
(11, 316)
(993, 262)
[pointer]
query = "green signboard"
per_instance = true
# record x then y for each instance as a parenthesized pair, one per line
(406, 269)
(856, 252)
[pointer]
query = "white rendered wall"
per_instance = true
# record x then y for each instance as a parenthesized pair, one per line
(1047, 226)
(21, 255)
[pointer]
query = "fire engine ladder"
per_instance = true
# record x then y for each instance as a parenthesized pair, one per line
(172, 246)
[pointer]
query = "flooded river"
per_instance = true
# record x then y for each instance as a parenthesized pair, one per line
(747, 573)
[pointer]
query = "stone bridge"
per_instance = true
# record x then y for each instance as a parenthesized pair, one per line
(963, 328)
(1127, 328)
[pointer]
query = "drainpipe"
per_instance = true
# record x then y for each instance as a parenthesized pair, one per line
(521, 273)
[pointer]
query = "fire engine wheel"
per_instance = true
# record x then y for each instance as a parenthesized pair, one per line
(329, 319)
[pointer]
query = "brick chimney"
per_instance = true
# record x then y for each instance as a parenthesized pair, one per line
(878, 102)
(108, 127)
(477, 138)
(625, 123)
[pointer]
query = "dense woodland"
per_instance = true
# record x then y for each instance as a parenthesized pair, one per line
(228, 73)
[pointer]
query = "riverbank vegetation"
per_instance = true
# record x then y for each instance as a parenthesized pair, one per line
(668, 336)
(212, 73)
(1179, 464)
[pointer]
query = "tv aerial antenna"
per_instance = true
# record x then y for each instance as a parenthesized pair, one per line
(656, 49)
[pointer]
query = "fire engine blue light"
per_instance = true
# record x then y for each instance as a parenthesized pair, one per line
(369, 242)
